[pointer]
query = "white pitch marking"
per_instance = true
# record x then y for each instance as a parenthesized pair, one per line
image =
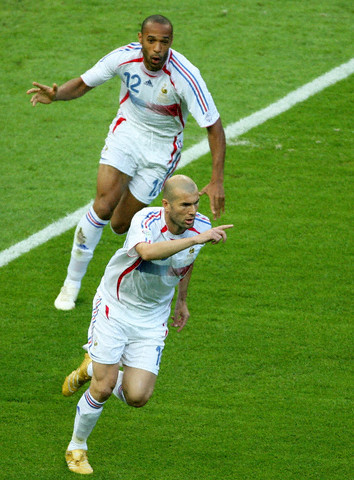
(53, 230)
(231, 131)
(296, 96)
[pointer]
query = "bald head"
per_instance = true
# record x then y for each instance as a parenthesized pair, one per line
(177, 185)
(180, 202)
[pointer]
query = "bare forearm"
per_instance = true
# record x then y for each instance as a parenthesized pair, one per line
(183, 285)
(164, 249)
(160, 250)
(181, 314)
(217, 144)
(72, 89)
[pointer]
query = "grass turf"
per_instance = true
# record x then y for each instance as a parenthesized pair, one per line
(258, 386)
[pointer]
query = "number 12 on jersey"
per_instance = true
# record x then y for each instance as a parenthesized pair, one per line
(136, 81)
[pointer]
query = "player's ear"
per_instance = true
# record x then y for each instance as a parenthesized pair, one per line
(140, 37)
(166, 205)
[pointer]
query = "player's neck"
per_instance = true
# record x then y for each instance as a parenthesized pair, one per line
(173, 227)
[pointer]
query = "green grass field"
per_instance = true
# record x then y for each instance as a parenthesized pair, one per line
(258, 386)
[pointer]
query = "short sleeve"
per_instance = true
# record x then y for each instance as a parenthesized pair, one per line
(104, 70)
(193, 91)
(140, 231)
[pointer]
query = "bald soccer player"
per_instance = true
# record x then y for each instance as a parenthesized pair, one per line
(132, 306)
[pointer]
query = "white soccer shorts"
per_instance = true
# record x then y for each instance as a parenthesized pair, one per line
(111, 340)
(145, 157)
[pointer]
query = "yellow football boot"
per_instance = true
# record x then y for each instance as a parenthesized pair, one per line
(77, 461)
(77, 378)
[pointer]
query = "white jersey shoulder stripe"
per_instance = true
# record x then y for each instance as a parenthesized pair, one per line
(192, 81)
(131, 46)
(202, 219)
(126, 48)
(151, 218)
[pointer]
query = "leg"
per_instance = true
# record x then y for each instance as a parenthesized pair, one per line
(136, 383)
(91, 403)
(89, 409)
(135, 390)
(125, 210)
(138, 386)
(111, 185)
(103, 380)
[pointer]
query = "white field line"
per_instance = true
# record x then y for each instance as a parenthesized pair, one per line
(193, 153)
(53, 230)
(299, 95)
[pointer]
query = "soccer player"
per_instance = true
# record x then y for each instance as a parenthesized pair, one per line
(132, 306)
(159, 88)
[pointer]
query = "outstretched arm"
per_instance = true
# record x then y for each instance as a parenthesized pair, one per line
(215, 189)
(160, 250)
(70, 90)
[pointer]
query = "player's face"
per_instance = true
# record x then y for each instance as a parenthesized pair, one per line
(156, 39)
(180, 213)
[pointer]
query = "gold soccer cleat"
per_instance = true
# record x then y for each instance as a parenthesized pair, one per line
(76, 378)
(77, 461)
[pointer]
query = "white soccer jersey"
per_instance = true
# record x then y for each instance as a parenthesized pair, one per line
(140, 292)
(160, 101)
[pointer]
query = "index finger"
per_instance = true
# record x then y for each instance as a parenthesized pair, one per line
(39, 85)
(225, 227)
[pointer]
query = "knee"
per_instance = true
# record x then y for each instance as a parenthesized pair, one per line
(101, 391)
(120, 226)
(104, 207)
(136, 399)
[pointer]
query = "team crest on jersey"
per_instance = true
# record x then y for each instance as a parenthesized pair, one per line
(163, 96)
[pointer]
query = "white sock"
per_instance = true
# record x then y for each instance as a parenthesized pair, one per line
(118, 389)
(88, 411)
(87, 235)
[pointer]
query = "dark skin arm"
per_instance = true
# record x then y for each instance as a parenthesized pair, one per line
(76, 88)
(215, 189)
